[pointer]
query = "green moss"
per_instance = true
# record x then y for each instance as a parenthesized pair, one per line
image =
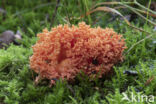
(17, 80)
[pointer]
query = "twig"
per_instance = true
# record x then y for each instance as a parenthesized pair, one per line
(70, 88)
(55, 12)
(144, 7)
(149, 36)
(133, 9)
(139, 29)
(149, 81)
(148, 10)
(118, 7)
(153, 14)
(87, 9)
(67, 22)
(32, 75)
(110, 3)
(145, 12)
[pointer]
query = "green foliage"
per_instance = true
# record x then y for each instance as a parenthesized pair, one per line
(60, 93)
(31, 16)
(10, 92)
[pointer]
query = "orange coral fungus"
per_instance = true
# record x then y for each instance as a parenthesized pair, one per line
(64, 51)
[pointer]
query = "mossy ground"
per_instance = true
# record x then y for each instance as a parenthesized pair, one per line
(31, 16)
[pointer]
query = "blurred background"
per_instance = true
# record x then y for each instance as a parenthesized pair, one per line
(22, 20)
(35, 15)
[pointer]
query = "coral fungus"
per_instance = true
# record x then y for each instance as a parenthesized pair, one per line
(65, 51)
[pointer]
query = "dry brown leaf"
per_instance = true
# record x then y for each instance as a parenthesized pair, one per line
(108, 9)
(149, 80)
(105, 3)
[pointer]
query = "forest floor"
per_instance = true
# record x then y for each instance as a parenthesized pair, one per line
(32, 16)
